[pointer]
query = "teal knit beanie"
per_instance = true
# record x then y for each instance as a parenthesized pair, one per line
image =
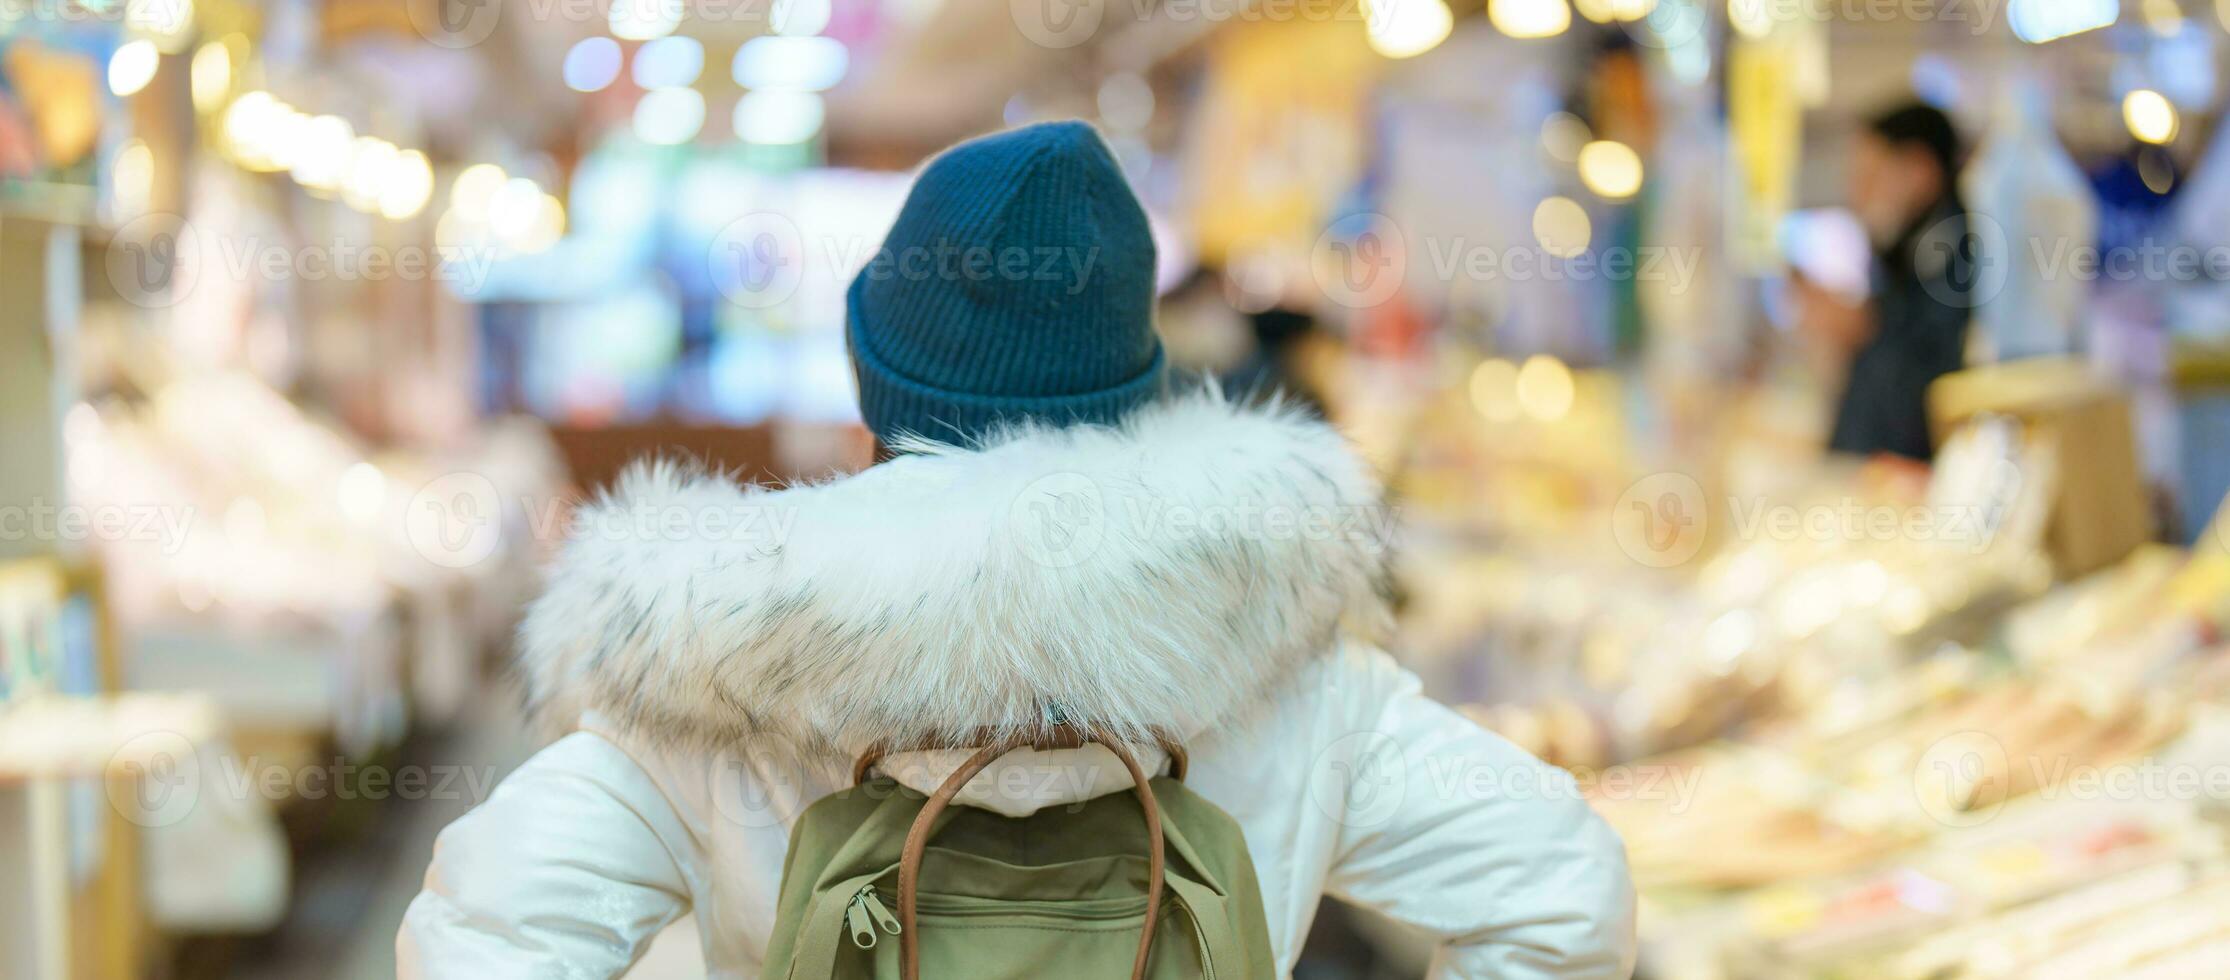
(1016, 285)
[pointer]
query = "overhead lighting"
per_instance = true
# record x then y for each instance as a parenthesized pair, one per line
(1529, 18)
(2038, 21)
(1752, 19)
(133, 66)
(322, 150)
(545, 230)
(2150, 116)
(474, 191)
(132, 178)
(669, 116)
(211, 74)
(799, 18)
(669, 62)
(797, 64)
(1560, 225)
(1610, 169)
(1544, 388)
(368, 164)
(512, 213)
(641, 20)
(409, 183)
(1494, 390)
(778, 118)
(1408, 28)
(1563, 135)
(592, 64)
(1620, 11)
(250, 127)
(168, 21)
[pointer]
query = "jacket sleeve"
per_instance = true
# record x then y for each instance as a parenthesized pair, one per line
(566, 871)
(1449, 829)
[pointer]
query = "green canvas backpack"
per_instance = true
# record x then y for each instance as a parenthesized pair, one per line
(882, 882)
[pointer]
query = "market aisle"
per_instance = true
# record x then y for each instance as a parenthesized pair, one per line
(347, 905)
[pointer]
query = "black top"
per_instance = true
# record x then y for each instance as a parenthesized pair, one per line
(1923, 294)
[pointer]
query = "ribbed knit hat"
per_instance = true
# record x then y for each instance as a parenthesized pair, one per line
(1017, 284)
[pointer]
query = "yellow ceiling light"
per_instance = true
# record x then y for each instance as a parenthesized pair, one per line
(1611, 169)
(168, 21)
(1529, 18)
(1752, 19)
(368, 161)
(408, 184)
(133, 66)
(1494, 390)
(212, 76)
(1615, 11)
(1560, 225)
(642, 20)
(1544, 387)
(2149, 115)
(322, 152)
(475, 190)
(1407, 28)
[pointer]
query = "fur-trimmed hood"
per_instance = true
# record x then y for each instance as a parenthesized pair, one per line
(1167, 574)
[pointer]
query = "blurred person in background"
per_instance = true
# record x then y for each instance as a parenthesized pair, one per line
(1076, 536)
(1912, 329)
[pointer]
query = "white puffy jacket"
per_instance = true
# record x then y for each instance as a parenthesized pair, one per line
(723, 654)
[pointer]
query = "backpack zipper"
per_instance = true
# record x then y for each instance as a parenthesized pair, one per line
(865, 914)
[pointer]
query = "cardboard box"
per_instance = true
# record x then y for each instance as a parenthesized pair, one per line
(2100, 509)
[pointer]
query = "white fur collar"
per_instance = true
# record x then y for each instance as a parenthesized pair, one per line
(1165, 574)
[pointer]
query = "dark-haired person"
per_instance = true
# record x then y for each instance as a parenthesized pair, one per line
(1904, 189)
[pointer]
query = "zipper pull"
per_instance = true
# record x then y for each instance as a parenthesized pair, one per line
(859, 924)
(882, 915)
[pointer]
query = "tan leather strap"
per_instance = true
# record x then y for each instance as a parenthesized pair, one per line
(917, 844)
(1065, 737)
